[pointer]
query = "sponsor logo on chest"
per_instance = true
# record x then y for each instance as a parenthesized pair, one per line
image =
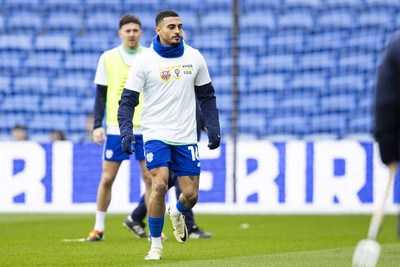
(177, 72)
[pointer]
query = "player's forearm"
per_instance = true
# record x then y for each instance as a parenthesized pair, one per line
(99, 105)
(129, 100)
(208, 105)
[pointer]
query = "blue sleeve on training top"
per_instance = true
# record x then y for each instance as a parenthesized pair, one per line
(208, 105)
(99, 105)
(129, 100)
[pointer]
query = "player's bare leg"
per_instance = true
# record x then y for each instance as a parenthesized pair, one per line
(188, 198)
(156, 210)
(109, 172)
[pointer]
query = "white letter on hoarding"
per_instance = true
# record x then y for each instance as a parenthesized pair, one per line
(62, 183)
(345, 187)
(295, 182)
(28, 181)
(261, 180)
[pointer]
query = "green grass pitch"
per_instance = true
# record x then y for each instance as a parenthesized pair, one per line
(269, 240)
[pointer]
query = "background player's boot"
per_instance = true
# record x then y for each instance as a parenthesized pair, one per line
(95, 235)
(136, 227)
(195, 232)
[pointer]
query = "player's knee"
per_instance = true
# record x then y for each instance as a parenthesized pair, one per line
(147, 180)
(159, 188)
(192, 197)
(107, 180)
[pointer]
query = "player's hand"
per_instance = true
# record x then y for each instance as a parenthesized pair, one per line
(214, 139)
(128, 144)
(99, 135)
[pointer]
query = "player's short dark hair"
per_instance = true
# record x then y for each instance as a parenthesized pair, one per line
(165, 14)
(126, 19)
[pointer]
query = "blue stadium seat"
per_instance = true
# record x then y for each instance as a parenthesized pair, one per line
(77, 123)
(247, 63)
(213, 63)
(357, 61)
(95, 5)
(222, 84)
(346, 82)
(16, 43)
(277, 62)
(137, 7)
(329, 123)
(252, 122)
(190, 21)
(73, 84)
(51, 43)
(296, 19)
(5, 85)
(65, 23)
(325, 40)
(376, 19)
(213, 41)
(180, 6)
(2, 24)
(48, 122)
(249, 6)
(220, 21)
(87, 104)
(82, 62)
(91, 44)
(216, 5)
(361, 123)
(338, 103)
(22, 103)
(302, 3)
(379, 3)
(368, 40)
(102, 22)
(13, 119)
(224, 102)
(286, 41)
(258, 21)
(44, 61)
(365, 104)
(267, 82)
(342, 19)
(31, 84)
(300, 103)
(10, 63)
(317, 61)
(13, 5)
(307, 82)
(288, 124)
(51, 6)
(253, 43)
(262, 103)
(31, 26)
(63, 104)
(343, 3)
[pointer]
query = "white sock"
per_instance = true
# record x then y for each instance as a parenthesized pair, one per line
(174, 212)
(100, 219)
(156, 242)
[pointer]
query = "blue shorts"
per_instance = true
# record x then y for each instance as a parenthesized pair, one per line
(112, 150)
(182, 159)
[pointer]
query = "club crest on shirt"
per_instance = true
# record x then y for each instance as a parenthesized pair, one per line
(165, 74)
(149, 157)
(177, 72)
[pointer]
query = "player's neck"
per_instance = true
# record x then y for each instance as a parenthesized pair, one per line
(131, 51)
